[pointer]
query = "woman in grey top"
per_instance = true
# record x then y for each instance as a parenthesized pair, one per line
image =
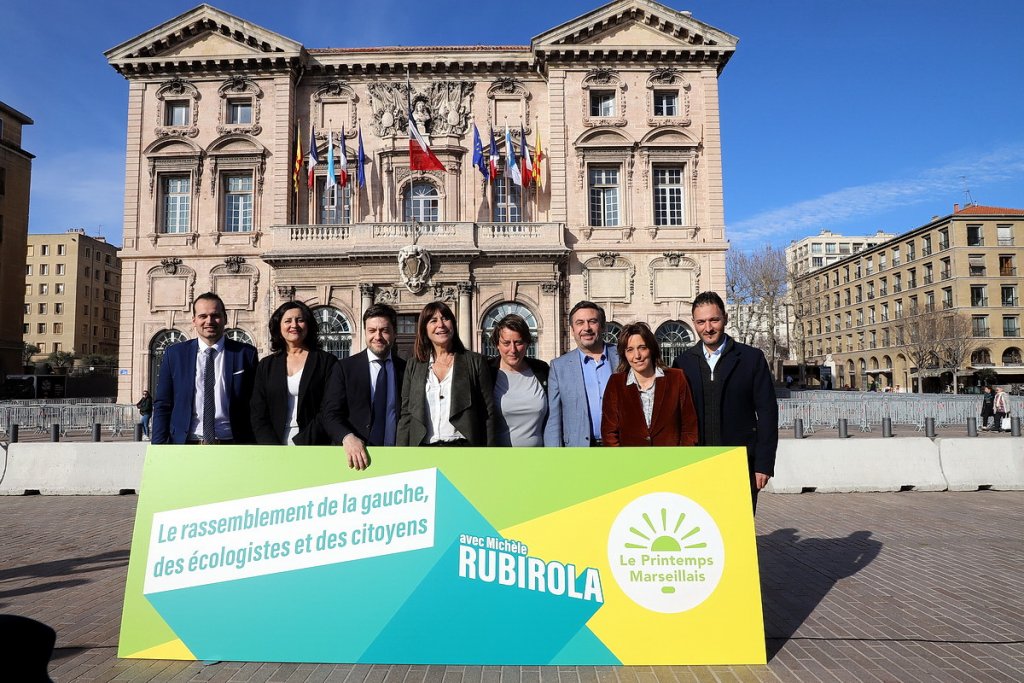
(520, 385)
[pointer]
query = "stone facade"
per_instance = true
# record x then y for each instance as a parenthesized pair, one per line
(966, 262)
(15, 182)
(628, 213)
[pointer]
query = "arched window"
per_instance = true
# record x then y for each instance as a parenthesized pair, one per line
(981, 357)
(157, 347)
(673, 337)
(498, 312)
(421, 202)
(887, 362)
(335, 331)
(239, 335)
(874, 363)
(1011, 356)
(612, 331)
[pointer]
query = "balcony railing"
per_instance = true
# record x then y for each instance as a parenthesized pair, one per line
(1005, 241)
(883, 291)
(977, 271)
(871, 295)
(912, 284)
(326, 241)
(946, 305)
(1007, 272)
(885, 318)
(980, 331)
(910, 257)
(976, 242)
(946, 274)
(926, 251)
(928, 279)
(895, 262)
(945, 245)
(979, 301)
(896, 288)
(1011, 332)
(1011, 301)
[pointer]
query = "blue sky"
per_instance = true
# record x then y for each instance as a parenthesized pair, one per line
(851, 116)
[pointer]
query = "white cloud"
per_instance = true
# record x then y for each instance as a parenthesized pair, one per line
(862, 201)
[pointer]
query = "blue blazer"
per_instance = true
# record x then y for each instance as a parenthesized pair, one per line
(568, 410)
(176, 391)
(749, 410)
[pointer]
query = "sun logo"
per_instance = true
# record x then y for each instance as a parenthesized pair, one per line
(665, 542)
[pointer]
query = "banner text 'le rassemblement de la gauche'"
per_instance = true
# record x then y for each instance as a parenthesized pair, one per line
(445, 556)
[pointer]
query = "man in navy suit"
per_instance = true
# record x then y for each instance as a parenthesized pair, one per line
(362, 401)
(577, 381)
(205, 384)
(732, 391)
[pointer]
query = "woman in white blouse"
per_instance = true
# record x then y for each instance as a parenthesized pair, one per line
(520, 385)
(447, 393)
(290, 383)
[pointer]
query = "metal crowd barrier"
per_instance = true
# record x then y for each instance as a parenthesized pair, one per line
(115, 418)
(54, 401)
(823, 409)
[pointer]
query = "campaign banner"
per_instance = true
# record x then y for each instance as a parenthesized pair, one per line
(528, 556)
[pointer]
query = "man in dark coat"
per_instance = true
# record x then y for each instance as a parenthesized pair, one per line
(732, 391)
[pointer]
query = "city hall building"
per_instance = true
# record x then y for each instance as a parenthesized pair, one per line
(619, 107)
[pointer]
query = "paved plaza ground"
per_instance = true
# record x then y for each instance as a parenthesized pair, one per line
(856, 587)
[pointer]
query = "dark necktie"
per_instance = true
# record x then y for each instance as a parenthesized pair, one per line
(380, 406)
(209, 398)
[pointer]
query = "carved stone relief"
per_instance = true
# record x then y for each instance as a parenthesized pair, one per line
(508, 93)
(388, 295)
(674, 277)
(236, 282)
(414, 267)
(668, 78)
(171, 286)
(334, 92)
(439, 108)
(603, 78)
(177, 88)
(234, 87)
(608, 277)
(444, 293)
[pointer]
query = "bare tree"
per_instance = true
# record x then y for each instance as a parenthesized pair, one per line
(757, 284)
(956, 344)
(920, 334)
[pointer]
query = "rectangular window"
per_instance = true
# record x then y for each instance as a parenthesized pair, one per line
(238, 203)
(240, 112)
(1004, 233)
(58, 308)
(815, 247)
(44, 250)
(42, 347)
(44, 289)
(1011, 327)
(507, 201)
(816, 261)
(830, 248)
(975, 238)
(666, 103)
(42, 309)
(602, 103)
(979, 325)
(58, 328)
(176, 113)
(1006, 267)
(668, 196)
(1008, 295)
(61, 250)
(335, 204)
(177, 204)
(947, 297)
(604, 196)
(60, 288)
(41, 328)
(60, 269)
(978, 297)
(28, 269)
(44, 269)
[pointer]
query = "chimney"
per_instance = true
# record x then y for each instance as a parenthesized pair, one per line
(956, 208)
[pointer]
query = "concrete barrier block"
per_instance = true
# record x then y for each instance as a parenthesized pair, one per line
(846, 465)
(970, 464)
(73, 468)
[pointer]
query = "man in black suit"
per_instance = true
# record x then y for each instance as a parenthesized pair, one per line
(362, 402)
(732, 391)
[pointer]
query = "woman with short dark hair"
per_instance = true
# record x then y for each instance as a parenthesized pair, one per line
(447, 393)
(646, 403)
(290, 383)
(520, 385)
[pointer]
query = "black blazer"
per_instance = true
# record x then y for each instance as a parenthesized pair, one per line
(749, 410)
(472, 404)
(348, 408)
(270, 399)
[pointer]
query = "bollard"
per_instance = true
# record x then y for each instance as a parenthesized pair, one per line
(798, 428)
(14, 433)
(929, 427)
(1015, 426)
(96, 427)
(842, 428)
(55, 432)
(886, 427)
(972, 426)
(138, 431)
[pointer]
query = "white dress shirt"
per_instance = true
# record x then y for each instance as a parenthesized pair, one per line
(439, 406)
(222, 420)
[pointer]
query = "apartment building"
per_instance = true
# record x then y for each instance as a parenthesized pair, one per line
(15, 182)
(810, 253)
(966, 262)
(72, 294)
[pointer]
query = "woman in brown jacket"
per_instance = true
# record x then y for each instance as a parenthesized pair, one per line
(646, 403)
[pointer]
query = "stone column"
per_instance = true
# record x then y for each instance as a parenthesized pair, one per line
(465, 313)
(366, 290)
(554, 329)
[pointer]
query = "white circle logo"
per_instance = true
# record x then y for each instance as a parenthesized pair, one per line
(666, 552)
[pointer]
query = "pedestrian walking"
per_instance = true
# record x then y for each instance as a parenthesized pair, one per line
(986, 406)
(1001, 410)
(145, 406)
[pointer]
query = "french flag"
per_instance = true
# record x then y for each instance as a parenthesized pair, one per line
(314, 158)
(342, 160)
